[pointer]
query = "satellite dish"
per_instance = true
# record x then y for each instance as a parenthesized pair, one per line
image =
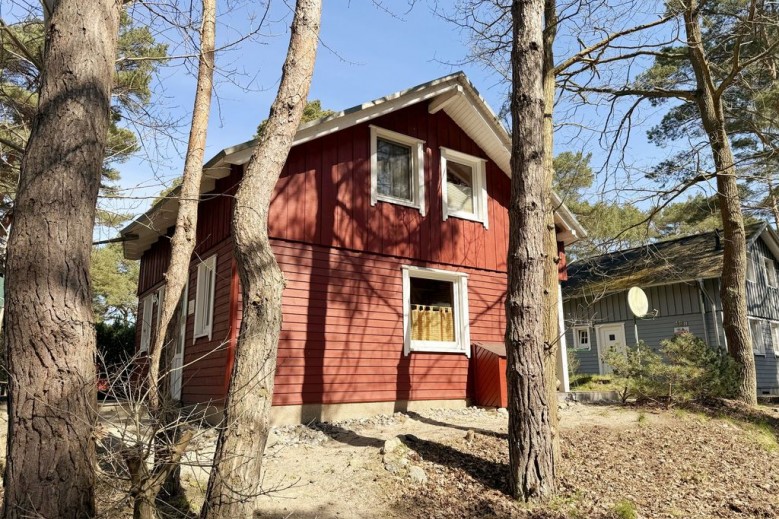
(637, 302)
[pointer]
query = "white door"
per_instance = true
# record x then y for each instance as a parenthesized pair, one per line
(177, 368)
(610, 336)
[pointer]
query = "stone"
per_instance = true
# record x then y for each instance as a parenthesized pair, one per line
(503, 411)
(417, 475)
(391, 445)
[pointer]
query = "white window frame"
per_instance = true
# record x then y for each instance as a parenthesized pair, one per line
(417, 168)
(774, 336)
(206, 268)
(462, 343)
(480, 199)
(576, 344)
(146, 316)
(751, 274)
(758, 343)
(770, 272)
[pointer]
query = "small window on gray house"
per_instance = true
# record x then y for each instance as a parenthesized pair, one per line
(750, 269)
(775, 337)
(581, 336)
(770, 271)
(758, 342)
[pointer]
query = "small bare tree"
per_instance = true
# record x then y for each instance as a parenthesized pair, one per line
(235, 478)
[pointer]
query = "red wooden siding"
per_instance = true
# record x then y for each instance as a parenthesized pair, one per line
(206, 360)
(153, 265)
(323, 198)
(342, 337)
(562, 266)
(489, 369)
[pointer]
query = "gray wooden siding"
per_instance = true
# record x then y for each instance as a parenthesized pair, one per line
(676, 304)
(767, 366)
(669, 301)
(762, 300)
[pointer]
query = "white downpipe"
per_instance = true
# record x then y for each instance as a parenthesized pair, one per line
(562, 351)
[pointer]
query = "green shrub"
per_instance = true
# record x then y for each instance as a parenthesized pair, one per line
(625, 509)
(115, 342)
(686, 369)
(638, 371)
(697, 371)
(573, 363)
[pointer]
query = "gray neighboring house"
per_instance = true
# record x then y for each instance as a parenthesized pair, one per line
(681, 278)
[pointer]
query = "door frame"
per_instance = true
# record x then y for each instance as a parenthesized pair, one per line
(603, 368)
(177, 362)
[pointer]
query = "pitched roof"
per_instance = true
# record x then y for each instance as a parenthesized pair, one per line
(454, 94)
(660, 263)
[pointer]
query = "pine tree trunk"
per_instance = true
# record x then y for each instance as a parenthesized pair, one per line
(551, 280)
(531, 451)
(49, 335)
(185, 234)
(236, 475)
(733, 291)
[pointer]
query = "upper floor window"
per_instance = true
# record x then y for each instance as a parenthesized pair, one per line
(204, 298)
(770, 271)
(750, 269)
(464, 186)
(397, 169)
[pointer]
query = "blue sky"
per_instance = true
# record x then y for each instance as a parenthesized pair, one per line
(365, 53)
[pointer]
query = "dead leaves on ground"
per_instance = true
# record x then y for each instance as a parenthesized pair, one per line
(673, 464)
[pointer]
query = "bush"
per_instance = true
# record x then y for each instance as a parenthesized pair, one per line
(573, 363)
(697, 371)
(686, 369)
(115, 342)
(638, 371)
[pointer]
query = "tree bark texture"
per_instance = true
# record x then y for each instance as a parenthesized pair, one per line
(185, 234)
(235, 479)
(733, 291)
(49, 336)
(551, 280)
(531, 452)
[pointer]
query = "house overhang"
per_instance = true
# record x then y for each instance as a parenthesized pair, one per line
(454, 94)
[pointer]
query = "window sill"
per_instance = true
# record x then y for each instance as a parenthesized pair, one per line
(466, 216)
(433, 348)
(206, 334)
(397, 201)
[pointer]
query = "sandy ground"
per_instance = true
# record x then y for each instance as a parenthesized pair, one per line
(452, 463)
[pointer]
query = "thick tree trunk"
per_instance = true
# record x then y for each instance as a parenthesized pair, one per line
(49, 335)
(551, 313)
(733, 291)
(531, 452)
(236, 475)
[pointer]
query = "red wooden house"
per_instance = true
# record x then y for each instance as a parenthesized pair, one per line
(390, 225)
